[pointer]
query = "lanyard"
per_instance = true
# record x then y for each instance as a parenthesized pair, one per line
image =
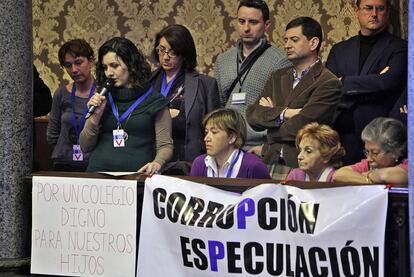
(78, 128)
(130, 109)
(164, 87)
(241, 80)
(232, 164)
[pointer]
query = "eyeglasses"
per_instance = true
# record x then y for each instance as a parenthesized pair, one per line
(161, 51)
(370, 8)
(373, 154)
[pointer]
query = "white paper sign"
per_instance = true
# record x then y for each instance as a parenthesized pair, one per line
(83, 227)
(189, 229)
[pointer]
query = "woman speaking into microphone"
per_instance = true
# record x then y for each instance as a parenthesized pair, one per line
(130, 129)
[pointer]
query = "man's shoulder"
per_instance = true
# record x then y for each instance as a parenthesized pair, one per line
(397, 40)
(273, 59)
(273, 50)
(229, 53)
(281, 72)
(323, 74)
(344, 44)
(327, 75)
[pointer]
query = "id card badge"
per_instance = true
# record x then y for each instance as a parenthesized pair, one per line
(238, 98)
(118, 138)
(77, 154)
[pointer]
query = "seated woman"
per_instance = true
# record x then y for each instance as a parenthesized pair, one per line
(386, 151)
(320, 152)
(225, 134)
(67, 117)
(133, 132)
(191, 95)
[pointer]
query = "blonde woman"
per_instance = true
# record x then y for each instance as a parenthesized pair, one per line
(225, 135)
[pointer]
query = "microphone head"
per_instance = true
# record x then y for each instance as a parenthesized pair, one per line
(109, 83)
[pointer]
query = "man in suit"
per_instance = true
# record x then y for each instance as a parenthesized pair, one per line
(373, 69)
(253, 59)
(295, 96)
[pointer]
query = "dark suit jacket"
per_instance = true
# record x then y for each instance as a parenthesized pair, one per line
(317, 94)
(200, 97)
(369, 93)
(395, 111)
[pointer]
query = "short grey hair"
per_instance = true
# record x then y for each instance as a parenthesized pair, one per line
(389, 133)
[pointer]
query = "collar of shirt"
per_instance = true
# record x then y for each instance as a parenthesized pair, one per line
(240, 49)
(297, 78)
(211, 165)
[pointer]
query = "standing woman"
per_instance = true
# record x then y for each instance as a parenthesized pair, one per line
(69, 108)
(130, 129)
(191, 95)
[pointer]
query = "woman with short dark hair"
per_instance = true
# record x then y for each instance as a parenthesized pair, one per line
(386, 155)
(191, 95)
(67, 117)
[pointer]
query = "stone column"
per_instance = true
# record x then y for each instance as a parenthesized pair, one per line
(16, 129)
(410, 119)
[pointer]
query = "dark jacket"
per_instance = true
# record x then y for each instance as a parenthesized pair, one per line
(200, 97)
(370, 93)
(366, 94)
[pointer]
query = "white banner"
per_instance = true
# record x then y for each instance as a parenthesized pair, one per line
(190, 229)
(83, 227)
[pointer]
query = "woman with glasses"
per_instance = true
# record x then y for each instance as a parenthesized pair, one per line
(386, 155)
(191, 95)
(130, 129)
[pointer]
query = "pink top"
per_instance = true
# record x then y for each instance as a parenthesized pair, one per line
(298, 174)
(363, 166)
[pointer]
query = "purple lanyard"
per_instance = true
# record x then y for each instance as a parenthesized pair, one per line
(232, 164)
(164, 87)
(130, 109)
(79, 128)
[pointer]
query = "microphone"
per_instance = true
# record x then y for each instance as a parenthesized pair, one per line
(108, 85)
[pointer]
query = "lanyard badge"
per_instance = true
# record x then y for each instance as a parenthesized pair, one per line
(118, 138)
(119, 135)
(77, 154)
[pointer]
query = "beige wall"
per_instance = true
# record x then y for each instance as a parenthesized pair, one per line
(211, 23)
